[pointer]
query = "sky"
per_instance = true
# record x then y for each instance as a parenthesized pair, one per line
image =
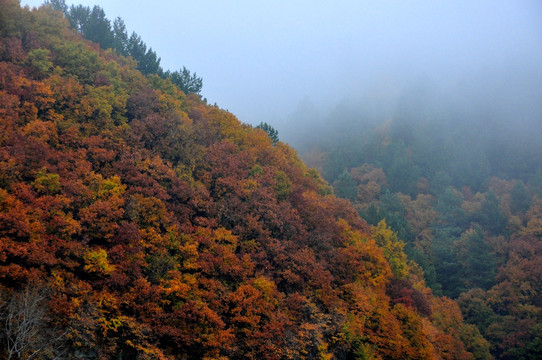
(270, 60)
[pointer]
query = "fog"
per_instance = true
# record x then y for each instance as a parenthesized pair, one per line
(307, 66)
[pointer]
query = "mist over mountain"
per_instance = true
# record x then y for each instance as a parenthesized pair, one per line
(494, 111)
(271, 55)
(453, 163)
(503, 104)
(138, 221)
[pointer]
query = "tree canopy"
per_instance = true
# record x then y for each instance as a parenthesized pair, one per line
(138, 222)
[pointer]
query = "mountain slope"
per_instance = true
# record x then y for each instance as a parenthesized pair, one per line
(463, 195)
(139, 222)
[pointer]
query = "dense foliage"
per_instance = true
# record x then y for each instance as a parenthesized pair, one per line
(467, 202)
(137, 222)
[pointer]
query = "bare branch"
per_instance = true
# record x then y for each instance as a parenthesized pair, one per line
(24, 330)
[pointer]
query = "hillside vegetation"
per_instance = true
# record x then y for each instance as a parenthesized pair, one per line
(138, 222)
(463, 189)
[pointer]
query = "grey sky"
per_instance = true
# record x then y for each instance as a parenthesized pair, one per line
(261, 59)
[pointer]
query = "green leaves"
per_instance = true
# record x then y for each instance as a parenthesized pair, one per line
(271, 132)
(38, 61)
(189, 84)
(283, 186)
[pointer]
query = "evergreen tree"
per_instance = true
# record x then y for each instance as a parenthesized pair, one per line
(78, 17)
(447, 267)
(440, 182)
(120, 36)
(345, 186)
(57, 5)
(94, 25)
(271, 132)
(492, 217)
(188, 83)
(449, 207)
(334, 165)
(535, 184)
(97, 28)
(521, 199)
(148, 62)
(478, 262)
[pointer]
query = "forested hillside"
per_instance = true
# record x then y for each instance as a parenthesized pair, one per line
(463, 189)
(138, 222)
